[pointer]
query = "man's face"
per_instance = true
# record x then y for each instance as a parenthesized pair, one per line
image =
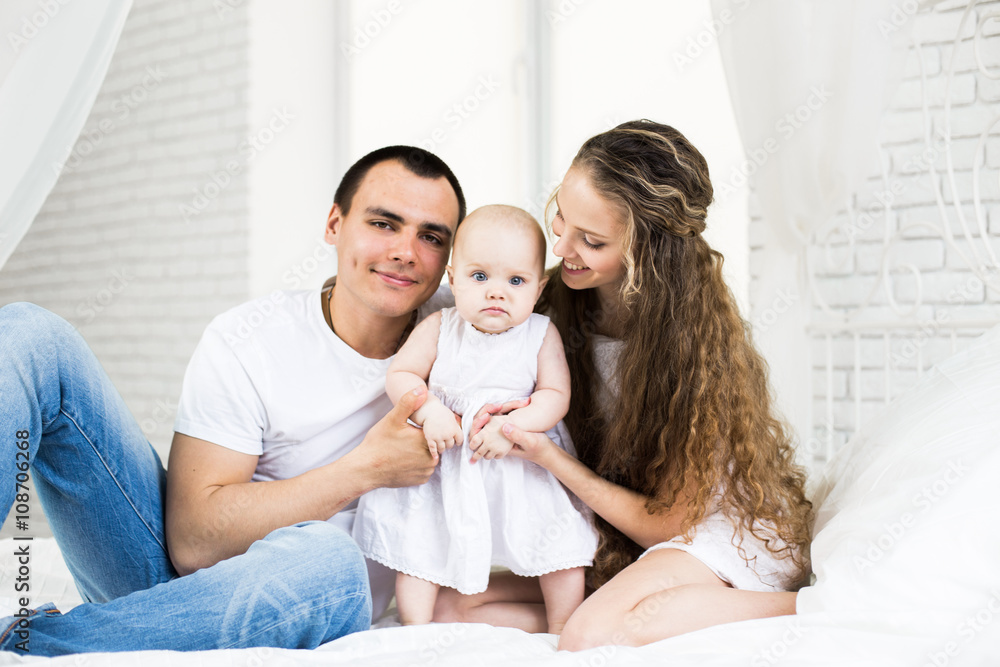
(393, 245)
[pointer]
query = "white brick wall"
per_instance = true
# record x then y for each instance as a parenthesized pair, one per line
(110, 250)
(949, 290)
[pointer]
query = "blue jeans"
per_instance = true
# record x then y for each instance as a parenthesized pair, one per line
(102, 487)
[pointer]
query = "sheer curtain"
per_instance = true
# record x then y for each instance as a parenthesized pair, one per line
(51, 70)
(809, 81)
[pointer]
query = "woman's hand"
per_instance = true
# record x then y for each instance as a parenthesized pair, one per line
(535, 447)
(490, 443)
(483, 416)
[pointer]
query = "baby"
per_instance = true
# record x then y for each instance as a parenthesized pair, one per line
(490, 348)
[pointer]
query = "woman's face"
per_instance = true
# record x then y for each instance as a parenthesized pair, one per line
(590, 232)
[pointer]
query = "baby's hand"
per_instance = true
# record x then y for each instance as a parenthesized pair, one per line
(442, 430)
(490, 442)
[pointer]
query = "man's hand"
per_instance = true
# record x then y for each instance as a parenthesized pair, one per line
(442, 429)
(395, 453)
(490, 443)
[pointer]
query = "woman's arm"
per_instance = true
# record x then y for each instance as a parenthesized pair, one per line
(622, 508)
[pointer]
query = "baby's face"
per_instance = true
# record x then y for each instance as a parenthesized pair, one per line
(496, 277)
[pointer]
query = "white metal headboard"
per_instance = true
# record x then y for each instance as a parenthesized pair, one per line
(864, 354)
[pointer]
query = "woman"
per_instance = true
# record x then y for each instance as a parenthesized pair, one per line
(701, 510)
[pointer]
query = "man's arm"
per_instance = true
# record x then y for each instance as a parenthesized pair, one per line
(214, 511)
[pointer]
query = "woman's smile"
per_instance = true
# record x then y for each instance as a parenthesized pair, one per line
(569, 266)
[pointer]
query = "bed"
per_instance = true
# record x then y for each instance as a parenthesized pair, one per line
(905, 559)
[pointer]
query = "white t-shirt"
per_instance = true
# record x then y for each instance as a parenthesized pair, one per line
(271, 379)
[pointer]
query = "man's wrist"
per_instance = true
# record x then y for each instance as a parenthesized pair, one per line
(355, 470)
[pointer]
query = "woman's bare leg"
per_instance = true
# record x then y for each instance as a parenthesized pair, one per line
(415, 599)
(563, 592)
(667, 593)
(509, 601)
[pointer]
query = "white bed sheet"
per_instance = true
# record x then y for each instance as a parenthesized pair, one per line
(813, 639)
(906, 553)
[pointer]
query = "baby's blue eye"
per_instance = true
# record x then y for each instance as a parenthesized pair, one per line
(516, 280)
(479, 276)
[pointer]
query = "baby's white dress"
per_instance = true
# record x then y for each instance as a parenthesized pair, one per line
(506, 512)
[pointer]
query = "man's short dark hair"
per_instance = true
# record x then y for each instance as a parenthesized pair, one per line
(417, 160)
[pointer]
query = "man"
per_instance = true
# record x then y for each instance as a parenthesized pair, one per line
(281, 425)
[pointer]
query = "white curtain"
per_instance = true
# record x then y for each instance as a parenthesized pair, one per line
(53, 61)
(809, 80)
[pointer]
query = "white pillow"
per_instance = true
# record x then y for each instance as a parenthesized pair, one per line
(907, 536)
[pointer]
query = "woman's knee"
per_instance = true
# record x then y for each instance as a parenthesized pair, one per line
(586, 630)
(601, 625)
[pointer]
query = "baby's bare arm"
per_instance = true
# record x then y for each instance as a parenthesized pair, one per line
(412, 365)
(550, 400)
(409, 370)
(549, 403)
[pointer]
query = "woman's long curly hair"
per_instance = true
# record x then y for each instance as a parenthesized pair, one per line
(693, 399)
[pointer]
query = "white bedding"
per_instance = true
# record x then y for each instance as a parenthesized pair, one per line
(906, 553)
